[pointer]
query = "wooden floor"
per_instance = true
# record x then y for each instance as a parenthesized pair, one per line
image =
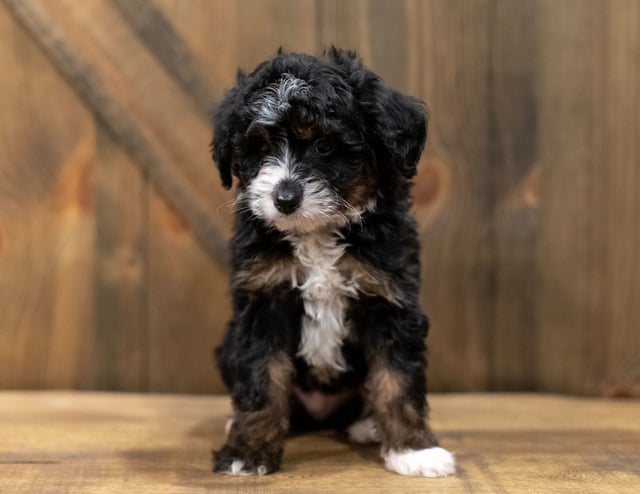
(101, 442)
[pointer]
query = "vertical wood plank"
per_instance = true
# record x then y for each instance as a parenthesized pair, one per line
(572, 150)
(513, 148)
(589, 77)
(623, 198)
(214, 50)
(46, 221)
(158, 34)
(188, 305)
(526, 197)
(458, 254)
(187, 301)
(476, 192)
(265, 25)
(138, 99)
(345, 25)
(120, 283)
(388, 49)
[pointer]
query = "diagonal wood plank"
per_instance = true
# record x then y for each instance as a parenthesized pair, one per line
(209, 29)
(47, 221)
(160, 37)
(138, 102)
(188, 305)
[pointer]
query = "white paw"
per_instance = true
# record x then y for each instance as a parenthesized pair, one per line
(430, 462)
(237, 468)
(364, 431)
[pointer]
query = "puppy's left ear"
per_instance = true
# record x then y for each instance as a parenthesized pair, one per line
(222, 145)
(399, 130)
(225, 122)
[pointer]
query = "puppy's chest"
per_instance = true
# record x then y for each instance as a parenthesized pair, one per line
(319, 272)
(325, 286)
(328, 279)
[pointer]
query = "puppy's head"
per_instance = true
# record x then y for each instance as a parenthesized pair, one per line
(315, 142)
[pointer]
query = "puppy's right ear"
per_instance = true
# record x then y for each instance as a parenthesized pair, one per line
(225, 124)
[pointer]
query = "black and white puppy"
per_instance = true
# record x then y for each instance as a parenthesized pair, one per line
(326, 328)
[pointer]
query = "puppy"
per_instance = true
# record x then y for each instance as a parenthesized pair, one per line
(326, 328)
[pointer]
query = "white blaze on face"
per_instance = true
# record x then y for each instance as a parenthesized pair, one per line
(311, 228)
(320, 205)
(274, 170)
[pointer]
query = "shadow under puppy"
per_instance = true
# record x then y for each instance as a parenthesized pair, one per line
(326, 328)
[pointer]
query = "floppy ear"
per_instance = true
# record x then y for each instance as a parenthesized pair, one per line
(226, 121)
(395, 124)
(397, 129)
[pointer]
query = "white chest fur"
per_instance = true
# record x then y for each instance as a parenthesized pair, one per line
(325, 294)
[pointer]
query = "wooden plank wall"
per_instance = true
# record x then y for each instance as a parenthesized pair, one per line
(113, 225)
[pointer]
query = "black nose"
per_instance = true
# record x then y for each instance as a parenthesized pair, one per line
(287, 196)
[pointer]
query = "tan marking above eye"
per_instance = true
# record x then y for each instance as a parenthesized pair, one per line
(304, 133)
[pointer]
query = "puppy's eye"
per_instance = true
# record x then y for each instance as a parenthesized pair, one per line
(259, 144)
(265, 147)
(323, 147)
(259, 137)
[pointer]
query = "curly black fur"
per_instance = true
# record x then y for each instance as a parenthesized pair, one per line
(374, 137)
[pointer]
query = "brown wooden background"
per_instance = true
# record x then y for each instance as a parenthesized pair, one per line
(113, 224)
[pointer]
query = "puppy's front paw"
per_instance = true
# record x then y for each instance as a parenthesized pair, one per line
(238, 461)
(430, 462)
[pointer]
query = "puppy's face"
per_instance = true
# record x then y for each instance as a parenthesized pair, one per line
(303, 172)
(315, 142)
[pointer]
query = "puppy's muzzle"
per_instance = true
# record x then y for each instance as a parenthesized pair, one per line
(287, 196)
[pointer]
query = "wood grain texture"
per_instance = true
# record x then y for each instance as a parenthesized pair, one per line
(513, 147)
(459, 255)
(476, 190)
(623, 202)
(187, 305)
(46, 221)
(590, 231)
(91, 442)
(265, 25)
(208, 28)
(157, 33)
(113, 225)
(138, 101)
(187, 295)
(121, 270)
(344, 24)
